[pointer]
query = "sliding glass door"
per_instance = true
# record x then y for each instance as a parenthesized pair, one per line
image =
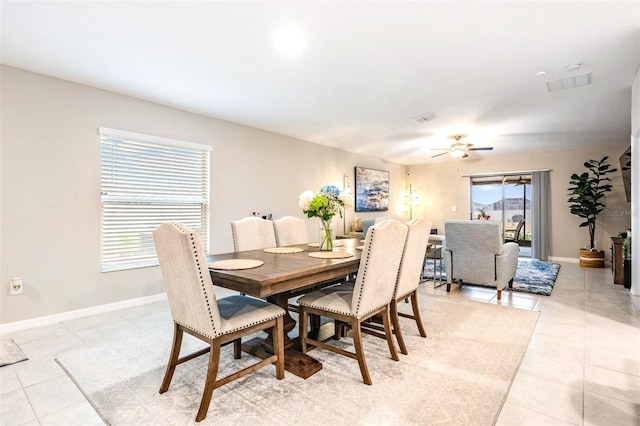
(506, 199)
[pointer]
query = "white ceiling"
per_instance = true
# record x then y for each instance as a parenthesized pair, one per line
(368, 68)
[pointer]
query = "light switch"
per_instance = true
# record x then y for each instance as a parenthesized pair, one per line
(454, 208)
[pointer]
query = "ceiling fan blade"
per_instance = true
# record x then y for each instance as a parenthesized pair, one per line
(482, 148)
(438, 155)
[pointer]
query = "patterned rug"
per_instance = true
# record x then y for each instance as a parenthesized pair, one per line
(532, 276)
(10, 352)
(460, 374)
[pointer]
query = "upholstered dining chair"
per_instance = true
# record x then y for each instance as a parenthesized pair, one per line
(290, 231)
(390, 217)
(196, 311)
(409, 276)
(408, 280)
(252, 233)
(474, 252)
(371, 294)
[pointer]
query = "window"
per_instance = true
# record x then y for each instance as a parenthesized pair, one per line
(145, 181)
(506, 199)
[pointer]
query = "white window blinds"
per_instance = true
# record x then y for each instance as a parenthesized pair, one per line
(146, 181)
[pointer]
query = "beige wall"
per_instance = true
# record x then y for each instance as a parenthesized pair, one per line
(442, 186)
(50, 193)
(635, 175)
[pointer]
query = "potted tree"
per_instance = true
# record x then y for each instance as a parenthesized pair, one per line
(587, 193)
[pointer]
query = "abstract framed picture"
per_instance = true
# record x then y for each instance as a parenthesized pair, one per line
(372, 190)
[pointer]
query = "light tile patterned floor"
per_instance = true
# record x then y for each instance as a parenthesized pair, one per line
(582, 366)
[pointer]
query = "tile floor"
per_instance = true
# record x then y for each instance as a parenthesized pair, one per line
(582, 366)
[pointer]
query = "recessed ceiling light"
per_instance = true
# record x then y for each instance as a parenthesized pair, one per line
(572, 68)
(290, 41)
(541, 73)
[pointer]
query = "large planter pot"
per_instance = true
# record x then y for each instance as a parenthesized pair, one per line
(592, 259)
(627, 273)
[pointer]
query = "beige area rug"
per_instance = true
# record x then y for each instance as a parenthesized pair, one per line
(10, 352)
(460, 374)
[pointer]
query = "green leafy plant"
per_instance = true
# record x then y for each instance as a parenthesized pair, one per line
(626, 249)
(587, 193)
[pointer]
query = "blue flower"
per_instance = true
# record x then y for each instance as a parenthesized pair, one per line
(331, 190)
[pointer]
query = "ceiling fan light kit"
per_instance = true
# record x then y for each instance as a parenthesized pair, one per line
(459, 149)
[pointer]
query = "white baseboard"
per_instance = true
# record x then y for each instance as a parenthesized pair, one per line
(564, 259)
(573, 260)
(79, 313)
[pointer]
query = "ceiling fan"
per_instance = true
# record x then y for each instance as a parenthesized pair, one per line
(459, 149)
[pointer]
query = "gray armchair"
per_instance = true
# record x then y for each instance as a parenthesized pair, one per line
(475, 253)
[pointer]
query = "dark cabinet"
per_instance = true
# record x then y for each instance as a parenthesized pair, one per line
(616, 260)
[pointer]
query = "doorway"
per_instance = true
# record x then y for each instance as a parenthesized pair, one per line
(507, 199)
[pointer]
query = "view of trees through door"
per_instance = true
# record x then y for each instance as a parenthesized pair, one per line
(507, 199)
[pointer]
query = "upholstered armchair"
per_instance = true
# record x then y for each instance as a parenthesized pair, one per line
(475, 253)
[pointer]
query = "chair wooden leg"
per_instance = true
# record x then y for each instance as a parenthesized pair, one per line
(448, 287)
(278, 345)
(511, 283)
(302, 333)
(314, 322)
(499, 294)
(416, 313)
(357, 342)
(173, 358)
(210, 383)
(237, 348)
(386, 320)
(396, 327)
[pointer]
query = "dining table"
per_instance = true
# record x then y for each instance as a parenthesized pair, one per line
(281, 276)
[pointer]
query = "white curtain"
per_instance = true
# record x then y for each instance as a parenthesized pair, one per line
(540, 212)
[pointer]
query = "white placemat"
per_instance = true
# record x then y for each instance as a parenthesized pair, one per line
(330, 254)
(234, 264)
(283, 250)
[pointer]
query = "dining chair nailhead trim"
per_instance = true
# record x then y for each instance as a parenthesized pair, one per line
(395, 288)
(233, 235)
(202, 282)
(254, 323)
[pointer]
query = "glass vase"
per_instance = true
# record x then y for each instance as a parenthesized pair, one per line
(326, 236)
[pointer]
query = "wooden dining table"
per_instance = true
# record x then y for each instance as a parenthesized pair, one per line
(278, 279)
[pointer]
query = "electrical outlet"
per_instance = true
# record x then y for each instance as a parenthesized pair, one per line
(16, 286)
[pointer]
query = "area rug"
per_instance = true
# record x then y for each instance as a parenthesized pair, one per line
(532, 276)
(10, 352)
(460, 374)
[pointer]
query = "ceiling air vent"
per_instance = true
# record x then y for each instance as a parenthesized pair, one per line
(569, 82)
(425, 117)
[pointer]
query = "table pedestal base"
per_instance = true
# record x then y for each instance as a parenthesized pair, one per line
(294, 361)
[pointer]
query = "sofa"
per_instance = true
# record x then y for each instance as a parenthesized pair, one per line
(359, 227)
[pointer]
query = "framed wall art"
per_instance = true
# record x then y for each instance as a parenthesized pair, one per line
(372, 190)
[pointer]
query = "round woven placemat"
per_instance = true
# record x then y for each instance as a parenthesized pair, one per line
(330, 254)
(282, 250)
(335, 244)
(360, 247)
(234, 264)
